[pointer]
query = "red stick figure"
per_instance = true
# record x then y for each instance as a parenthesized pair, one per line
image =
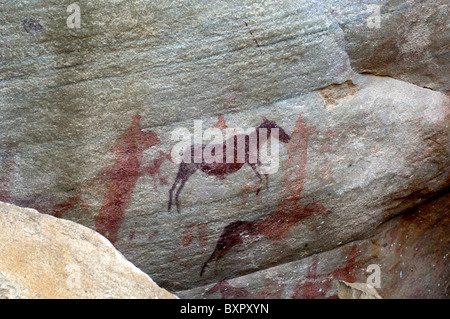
(122, 177)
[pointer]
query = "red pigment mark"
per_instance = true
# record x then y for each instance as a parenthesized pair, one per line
(131, 237)
(153, 168)
(202, 230)
(318, 285)
(246, 190)
(61, 208)
(228, 291)
(288, 213)
(326, 173)
(221, 124)
(188, 235)
(153, 234)
(233, 97)
(271, 290)
(48, 206)
(132, 234)
(122, 177)
(45, 206)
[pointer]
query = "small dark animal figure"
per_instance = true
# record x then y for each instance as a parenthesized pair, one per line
(223, 169)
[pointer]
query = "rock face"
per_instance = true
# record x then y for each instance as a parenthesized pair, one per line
(409, 252)
(45, 257)
(89, 117)
(408, 40)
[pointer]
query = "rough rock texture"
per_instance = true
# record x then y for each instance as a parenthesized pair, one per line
(45, 257)
(412, 252)
(87, 118)
(348, 290)
(411, 42)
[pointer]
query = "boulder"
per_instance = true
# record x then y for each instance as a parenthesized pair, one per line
(45, 257)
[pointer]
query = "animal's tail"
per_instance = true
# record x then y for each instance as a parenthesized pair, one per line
(177, 179)
(180, 175)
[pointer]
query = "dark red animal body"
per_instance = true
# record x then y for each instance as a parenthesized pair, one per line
(226, 166)
(289, 212)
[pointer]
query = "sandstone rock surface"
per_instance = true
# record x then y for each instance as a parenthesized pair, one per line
(88, 116)
(45, 257)
(407, 40)
(411, 251)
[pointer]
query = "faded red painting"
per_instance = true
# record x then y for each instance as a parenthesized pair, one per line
(226, 166)
(121, 177)
(220, 124)
(326, 173)
(271, 290)
(44, 204)
(153, 168)
(313, 285)
(316, 285)
(288, 213)
(120, 180)
(195, 232)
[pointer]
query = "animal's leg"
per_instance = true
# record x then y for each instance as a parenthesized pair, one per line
(177, 179)
(187, 170)
(253, 166)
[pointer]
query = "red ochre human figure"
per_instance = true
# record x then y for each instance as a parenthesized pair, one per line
(121, 177)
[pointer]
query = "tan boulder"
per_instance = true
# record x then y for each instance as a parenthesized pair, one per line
(45, 257)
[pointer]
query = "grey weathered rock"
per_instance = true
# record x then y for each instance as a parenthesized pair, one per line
(189, 60)
(411, 41)
(45, 257)
(411, 252)
(87, 116)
